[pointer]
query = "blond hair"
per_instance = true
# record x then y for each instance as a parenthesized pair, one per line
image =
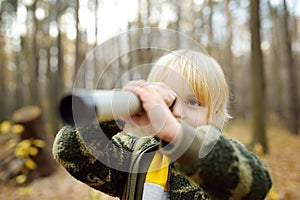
(204, 76)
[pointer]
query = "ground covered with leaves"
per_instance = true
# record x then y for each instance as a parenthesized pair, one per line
(283, 163)
(282, 160)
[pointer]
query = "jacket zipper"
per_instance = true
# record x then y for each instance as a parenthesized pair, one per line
(131, 184)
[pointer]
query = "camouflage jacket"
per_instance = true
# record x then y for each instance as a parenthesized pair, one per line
(115, 163)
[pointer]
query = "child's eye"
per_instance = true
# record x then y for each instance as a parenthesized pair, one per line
(193, 102)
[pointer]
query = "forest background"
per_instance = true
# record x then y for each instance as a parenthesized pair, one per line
(43, 44)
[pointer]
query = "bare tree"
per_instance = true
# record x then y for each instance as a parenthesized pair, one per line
(77, 56)
(293, 114)
(210, 22)
(229, 57)
(56, 82)
(2, 64)
(258, 82)
(276, 81)
(35, 50)
(2, 88)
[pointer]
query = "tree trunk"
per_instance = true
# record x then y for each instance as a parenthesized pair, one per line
(77, 41)
(2, 78)
(31, 118)
(229, 58)
(35, 67)
(258, 83)
(210, 32)
(293, 114)
(56, 78)
(276, 64)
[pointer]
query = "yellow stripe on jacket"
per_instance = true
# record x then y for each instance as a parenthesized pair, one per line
(158, 170)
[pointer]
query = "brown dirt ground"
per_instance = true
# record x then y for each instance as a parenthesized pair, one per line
(282, 161)
(59, 186)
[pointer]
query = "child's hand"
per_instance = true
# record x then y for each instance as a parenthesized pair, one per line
(157, 117)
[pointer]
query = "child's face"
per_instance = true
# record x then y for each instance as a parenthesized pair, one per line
(187, 106)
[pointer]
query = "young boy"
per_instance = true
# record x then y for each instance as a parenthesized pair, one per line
(186, 156)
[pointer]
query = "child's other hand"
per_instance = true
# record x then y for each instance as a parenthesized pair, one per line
(157, 118)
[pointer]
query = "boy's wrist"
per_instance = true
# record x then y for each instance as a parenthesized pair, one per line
(184, 147)
(171, 131)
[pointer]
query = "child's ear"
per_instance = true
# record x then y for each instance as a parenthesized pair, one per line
(218, 119)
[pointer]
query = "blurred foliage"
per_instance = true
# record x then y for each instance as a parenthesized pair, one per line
(25, 149)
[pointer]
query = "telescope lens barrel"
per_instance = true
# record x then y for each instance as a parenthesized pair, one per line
(84, 106)
(77, 109)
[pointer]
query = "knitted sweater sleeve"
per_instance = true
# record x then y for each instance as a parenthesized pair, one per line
(93, 156)
(224, 168)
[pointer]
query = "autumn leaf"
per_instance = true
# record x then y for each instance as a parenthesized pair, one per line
(39, 143)
(30, 164)
(22, 148)
(273, 194)
(25, 190)
(21, 179)
(33, 151)
(5, 127)
(17, 129)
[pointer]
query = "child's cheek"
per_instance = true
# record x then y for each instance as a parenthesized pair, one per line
(196, 117)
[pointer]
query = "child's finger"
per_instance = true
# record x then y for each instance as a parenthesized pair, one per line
(168, 94)
(133, 85)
